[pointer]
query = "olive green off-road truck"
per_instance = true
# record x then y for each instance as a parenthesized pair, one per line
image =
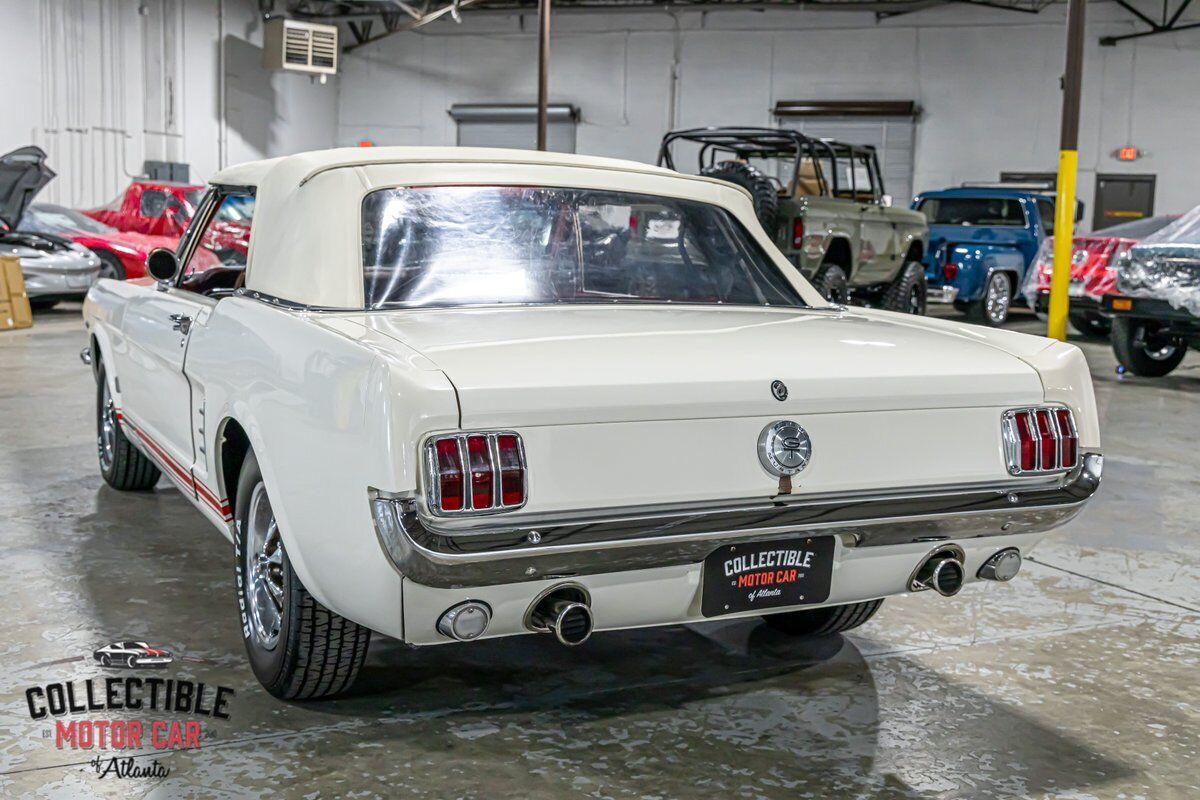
(824, 204)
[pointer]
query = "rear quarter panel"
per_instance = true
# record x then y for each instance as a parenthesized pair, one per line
(329, 413)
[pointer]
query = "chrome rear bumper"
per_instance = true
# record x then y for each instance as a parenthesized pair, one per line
(941, 294)
(434, 554)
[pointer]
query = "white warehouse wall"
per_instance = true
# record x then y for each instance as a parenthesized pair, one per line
(103, 85)
(987, 83)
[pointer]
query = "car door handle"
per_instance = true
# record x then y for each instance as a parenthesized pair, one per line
(181, 323)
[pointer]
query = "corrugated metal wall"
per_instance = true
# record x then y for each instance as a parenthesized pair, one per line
(111, 76)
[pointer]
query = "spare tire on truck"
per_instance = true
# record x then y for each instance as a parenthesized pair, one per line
(766, 200)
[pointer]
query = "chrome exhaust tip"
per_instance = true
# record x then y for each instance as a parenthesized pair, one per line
(943, 572)
(1002, 565)
(564, 611)
(465, 621)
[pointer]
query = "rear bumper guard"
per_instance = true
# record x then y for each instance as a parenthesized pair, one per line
(618, 540)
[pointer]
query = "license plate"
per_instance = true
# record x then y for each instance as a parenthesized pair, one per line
(79, 281)
(1075, 290)
(747, 577)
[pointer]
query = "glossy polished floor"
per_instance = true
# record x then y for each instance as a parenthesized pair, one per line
(1077, 680)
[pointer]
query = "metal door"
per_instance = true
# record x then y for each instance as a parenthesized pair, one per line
(1122, 198)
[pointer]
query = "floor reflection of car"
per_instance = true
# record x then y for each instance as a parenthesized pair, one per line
(55, 268)
(132, 654)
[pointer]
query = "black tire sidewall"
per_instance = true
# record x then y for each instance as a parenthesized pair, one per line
(910, 279)
(1134, 358)
(269, 666)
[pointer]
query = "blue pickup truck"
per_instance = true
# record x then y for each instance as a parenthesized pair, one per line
(982, 239)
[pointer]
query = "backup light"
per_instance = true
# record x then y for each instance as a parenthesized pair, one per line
(1040, 440)
(478, 472)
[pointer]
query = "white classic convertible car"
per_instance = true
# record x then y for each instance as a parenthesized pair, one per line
(454, 394)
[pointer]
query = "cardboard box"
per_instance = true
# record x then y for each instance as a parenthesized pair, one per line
(14, 303)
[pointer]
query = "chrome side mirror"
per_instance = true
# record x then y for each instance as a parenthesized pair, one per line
(162, 266)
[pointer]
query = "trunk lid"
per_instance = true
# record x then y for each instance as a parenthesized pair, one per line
(561, 365)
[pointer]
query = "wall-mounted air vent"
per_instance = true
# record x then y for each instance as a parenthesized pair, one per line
(300, 47)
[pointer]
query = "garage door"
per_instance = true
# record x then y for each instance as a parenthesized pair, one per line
(515, 126)
(893, 140)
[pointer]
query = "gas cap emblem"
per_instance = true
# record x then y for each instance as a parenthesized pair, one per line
(784, 448)
(779, 390)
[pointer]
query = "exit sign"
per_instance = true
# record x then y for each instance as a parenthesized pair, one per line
(1128, 153)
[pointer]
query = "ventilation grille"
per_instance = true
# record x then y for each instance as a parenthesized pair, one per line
(300, 47)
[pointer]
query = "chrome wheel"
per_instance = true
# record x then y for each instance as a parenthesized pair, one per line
(1154, 347)
(998, 297)
(106, 436)
(264, 570)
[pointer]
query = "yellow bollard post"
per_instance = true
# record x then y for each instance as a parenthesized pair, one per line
(1068, 166)
(1064, 233)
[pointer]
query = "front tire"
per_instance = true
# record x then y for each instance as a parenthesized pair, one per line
(823, 621)
(122, 465)
(298, 649)
(1142, 350)
(992, 308)
(908, 293)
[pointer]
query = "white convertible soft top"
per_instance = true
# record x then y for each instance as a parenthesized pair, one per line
(305, 241)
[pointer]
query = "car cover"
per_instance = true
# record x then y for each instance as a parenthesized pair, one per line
(23, 173)
(1166, 265)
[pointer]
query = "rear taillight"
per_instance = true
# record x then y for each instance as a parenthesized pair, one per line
(475, 472)
(1042, 439)
(797, 233)
(949, 267)
(449, 475)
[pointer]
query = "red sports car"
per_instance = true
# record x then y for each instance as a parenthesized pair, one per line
(1094, 261)
(157, 208)
(122, 255)
(162, 208)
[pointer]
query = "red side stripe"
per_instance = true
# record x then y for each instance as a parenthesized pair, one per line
(182, 474)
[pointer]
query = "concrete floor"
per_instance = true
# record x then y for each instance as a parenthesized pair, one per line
(1077, 680)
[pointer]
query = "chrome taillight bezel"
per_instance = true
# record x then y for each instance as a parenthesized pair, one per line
(433, 487)
(1012, 441)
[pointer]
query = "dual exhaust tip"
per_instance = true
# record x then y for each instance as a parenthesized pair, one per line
(564, 611)
(944, 573)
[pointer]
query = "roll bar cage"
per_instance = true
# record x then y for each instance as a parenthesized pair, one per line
(747, 143)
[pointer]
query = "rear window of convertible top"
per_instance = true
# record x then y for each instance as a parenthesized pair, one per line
(486, 245)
